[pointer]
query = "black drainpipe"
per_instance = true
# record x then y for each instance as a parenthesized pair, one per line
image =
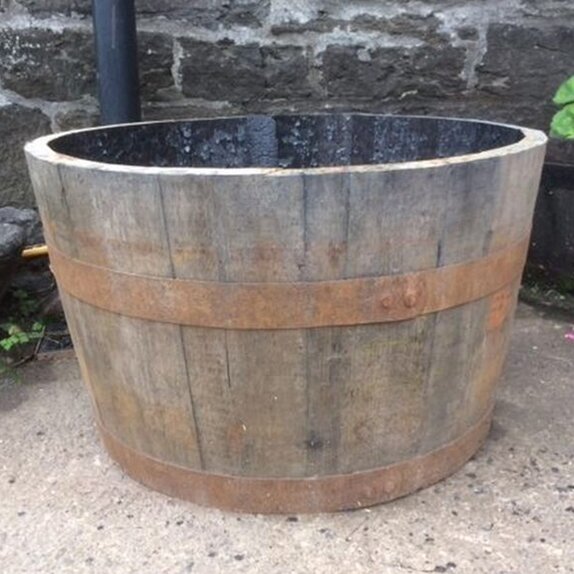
(117, 59)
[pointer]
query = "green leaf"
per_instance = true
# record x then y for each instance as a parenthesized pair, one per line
(14, 329)
(22, 338)
(38, 327)
(562, 125)
(9, 342)
(565, 93)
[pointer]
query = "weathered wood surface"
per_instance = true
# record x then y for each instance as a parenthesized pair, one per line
(134, 368)
(250, 395)
(295, 402)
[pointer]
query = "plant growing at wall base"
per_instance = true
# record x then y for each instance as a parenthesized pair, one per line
(15, 335)
(21, 332)
(562, 125)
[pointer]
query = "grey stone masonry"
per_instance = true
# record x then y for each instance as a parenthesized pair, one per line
(17, 125)
(489, 59)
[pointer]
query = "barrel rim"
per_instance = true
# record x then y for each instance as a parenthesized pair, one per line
(40, 149)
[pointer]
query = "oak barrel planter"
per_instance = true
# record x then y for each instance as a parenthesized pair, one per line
(290, 313)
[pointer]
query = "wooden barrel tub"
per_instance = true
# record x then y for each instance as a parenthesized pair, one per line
(290, 313)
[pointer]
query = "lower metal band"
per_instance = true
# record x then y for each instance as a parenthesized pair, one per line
(299, 495)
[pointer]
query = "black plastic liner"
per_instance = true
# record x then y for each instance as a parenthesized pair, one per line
(286, 141)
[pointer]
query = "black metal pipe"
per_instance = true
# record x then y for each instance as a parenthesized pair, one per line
(117, 59)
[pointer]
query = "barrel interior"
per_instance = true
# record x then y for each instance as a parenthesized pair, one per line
(286, 141)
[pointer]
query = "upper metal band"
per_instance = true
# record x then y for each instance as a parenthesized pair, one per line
(296, 305)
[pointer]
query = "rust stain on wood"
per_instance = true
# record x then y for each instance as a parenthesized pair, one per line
(493, 349)
(500, 306)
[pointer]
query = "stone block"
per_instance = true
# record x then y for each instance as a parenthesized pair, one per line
(54, 66)
(468, 33)
(155, 63)
(428, 71)
(321, 25)
(27, 219)
(60, 66)
(187, 109)
(12, 239)
(229, 72)
(548, 9)
(201, 13)
(17, 126)
(525, 63)
(75, 119)
(209, 13)
(47, 8)
(406, 25)
(327, 18)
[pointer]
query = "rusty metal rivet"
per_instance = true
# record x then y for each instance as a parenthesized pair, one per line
(410, 299)
(386, 301)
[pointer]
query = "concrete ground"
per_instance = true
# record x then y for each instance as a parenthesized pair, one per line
(65, 507)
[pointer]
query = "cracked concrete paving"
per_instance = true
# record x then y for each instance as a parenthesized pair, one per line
(65, 507)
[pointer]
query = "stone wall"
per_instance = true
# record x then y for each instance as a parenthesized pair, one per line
(493, 59)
